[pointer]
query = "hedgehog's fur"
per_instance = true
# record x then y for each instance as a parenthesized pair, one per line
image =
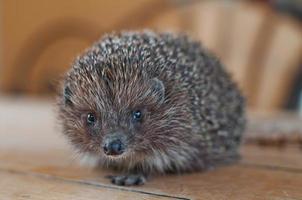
(193, 122)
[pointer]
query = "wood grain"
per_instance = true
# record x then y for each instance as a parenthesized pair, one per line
(242, 181)
(280, 65)
(24, 186)
(35, 168)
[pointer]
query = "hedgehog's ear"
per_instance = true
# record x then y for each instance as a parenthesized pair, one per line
(159, 89)
(67, 95)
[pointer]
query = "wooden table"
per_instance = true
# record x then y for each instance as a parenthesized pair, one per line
(36, 163)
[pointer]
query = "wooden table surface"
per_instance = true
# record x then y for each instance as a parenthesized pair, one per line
(36, 163)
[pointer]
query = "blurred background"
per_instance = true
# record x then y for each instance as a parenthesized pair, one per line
(260, 42)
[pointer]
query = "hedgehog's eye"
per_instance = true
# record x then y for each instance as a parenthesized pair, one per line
(91, 119)
(137, 116)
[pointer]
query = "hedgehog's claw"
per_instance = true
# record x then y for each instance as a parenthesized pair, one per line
(128, 180)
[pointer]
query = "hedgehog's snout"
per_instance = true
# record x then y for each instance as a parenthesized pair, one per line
(114, 144)
(114, 148)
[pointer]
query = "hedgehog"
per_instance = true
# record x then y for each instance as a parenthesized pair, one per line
(146, 103)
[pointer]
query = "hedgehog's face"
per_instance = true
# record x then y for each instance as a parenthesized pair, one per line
(120, 116)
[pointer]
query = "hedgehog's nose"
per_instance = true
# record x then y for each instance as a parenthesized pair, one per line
(114, 148)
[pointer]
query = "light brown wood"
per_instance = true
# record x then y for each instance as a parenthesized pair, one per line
(260, 47)
(252, 180)
(41, 39)
(289, 157)
(280, 65)
(36, 163)
(208, 25)
(245, 24)
(16, 185)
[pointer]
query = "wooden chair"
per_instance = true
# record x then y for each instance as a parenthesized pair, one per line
(39, 40)
(259, 47)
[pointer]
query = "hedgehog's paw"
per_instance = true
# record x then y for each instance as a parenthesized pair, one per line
(128, 180)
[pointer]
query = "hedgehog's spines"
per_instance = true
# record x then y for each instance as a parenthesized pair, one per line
(198, 121)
